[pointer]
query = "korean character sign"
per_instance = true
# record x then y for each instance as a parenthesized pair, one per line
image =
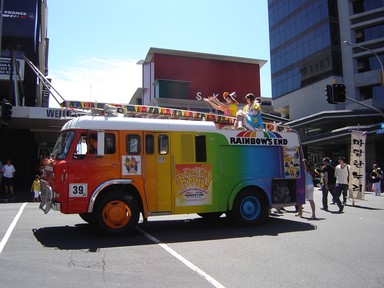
(357, 164)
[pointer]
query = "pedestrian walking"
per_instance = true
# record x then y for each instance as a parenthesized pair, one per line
(309, 189)
(342, 179)
(376, 176)
(329, 184)
(35, 188)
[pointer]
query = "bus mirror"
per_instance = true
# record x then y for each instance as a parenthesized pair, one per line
(100, 142)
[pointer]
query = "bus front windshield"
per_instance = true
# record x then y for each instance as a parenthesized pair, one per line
(62, 145)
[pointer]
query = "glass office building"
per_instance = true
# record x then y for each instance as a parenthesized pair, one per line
(315, 43)
(302, 49)
(307, 48)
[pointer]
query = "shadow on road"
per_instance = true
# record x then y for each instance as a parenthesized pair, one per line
(364, 207)
(84, 236)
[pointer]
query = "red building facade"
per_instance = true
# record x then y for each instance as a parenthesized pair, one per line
(192, 76)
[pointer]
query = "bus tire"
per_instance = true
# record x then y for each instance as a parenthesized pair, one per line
(117, 213)
(249, 208)
(87, 217)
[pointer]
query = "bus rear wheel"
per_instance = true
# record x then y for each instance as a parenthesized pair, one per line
(249, 208)
(117, 213)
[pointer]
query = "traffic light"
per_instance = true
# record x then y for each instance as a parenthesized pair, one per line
(6, 109)
(329, 94)
(339, 93)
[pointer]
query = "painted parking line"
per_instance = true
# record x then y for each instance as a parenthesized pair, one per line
(11, 227)
(182, 259)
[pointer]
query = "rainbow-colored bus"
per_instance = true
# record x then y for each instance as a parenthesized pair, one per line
(110, 169)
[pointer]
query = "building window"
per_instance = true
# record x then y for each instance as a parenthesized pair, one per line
(360, 6)
(171, 89)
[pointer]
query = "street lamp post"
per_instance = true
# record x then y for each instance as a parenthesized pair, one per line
(374, 53)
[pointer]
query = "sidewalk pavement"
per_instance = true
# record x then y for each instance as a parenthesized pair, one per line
(18, 196)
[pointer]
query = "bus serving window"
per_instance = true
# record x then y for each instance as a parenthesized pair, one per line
(133, 144)
(163, 144)
(200, 148)
(149, 144)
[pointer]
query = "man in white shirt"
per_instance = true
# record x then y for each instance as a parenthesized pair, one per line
(8, 172)
(342, 178)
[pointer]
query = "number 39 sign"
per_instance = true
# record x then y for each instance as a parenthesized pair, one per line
(78, 190)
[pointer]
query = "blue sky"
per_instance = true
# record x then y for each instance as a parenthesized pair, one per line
(95, 45)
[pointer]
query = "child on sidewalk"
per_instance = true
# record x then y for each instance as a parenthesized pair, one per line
(36, 188)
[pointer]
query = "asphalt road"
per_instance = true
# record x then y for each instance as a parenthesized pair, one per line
(56, 250)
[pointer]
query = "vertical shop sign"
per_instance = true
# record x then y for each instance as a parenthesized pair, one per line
(357, 173)
(19, 18)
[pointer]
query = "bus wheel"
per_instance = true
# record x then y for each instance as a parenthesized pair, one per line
(117, 213)
(249, 208)
(87, 217)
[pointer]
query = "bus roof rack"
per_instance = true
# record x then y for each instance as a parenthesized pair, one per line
(174, 113)
(143, 111)
(156, 112)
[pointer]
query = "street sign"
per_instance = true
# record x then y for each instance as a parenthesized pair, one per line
(380, 131)
(5, 68)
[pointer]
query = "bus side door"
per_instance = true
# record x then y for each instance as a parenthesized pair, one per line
(157, 171)
(87, 170)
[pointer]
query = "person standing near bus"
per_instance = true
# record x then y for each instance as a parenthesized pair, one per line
(329, 184)
(309, 188)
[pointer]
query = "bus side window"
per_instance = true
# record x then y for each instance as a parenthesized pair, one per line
(92, 143)
(132, 144)
(200, 148)
(110, 144)
(149, 144)
(81, 147)
(163, 144)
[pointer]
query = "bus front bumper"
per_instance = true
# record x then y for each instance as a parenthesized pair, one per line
(47, 203)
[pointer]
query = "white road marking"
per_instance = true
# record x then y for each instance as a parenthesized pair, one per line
(11, 227)
(183, 260)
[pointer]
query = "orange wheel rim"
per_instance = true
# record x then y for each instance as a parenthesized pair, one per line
(116, 214)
